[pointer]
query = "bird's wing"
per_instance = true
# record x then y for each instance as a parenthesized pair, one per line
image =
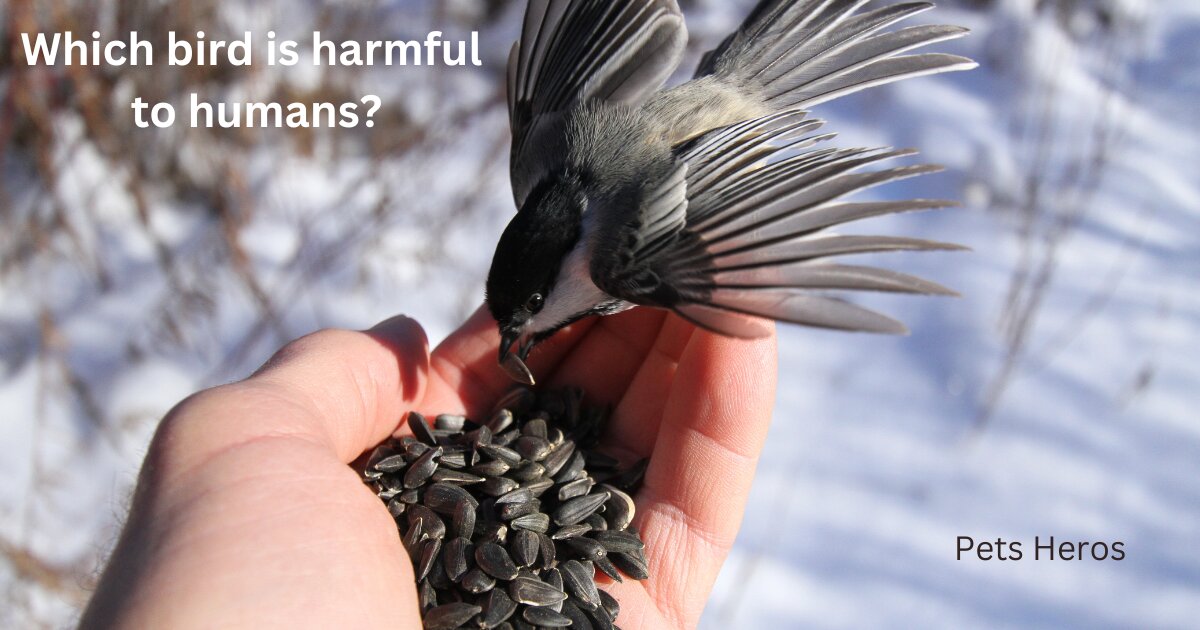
(796, 54)
(572, 51)
(739, 230)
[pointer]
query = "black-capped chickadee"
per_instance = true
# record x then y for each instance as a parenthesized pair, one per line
(711, 198)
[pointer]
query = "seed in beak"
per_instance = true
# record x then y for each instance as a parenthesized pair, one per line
(517, 370)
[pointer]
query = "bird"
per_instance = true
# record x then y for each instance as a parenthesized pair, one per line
(713, 198)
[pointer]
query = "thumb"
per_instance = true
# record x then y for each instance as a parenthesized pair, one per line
(356, 385)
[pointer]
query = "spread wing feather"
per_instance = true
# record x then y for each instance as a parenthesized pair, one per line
(572, 51)
(752, 243)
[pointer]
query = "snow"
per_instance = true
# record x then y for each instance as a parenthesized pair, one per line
(883, 451)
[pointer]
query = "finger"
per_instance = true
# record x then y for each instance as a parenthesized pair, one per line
(347, 388)
(637, 418)
(714, 427)
(465, 376)
(606, 360)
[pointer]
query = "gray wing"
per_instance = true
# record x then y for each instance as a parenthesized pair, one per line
(797, 53)
(739, 230)
(571, 51)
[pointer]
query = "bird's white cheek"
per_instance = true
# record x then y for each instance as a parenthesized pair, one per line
(574, 293)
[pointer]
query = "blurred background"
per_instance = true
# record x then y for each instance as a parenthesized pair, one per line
(1056, 398)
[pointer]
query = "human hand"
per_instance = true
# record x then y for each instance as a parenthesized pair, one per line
(247, 513)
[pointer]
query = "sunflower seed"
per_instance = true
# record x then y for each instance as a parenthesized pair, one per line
(500, 421)
(392, 484)
(600, 618)
(498, 607)
(608, 568)
(539, 487)
(502, 453)
(450, 616)
(597, 522)
(409, 497)
(506, 438)
(496, 533)
(428, 596)
(574, 489)
(536, 522)
(587, 548)
(574, 466)
(476, 581)
(433, 525)
(548, 550)
(578, 509)
(558, 458)
(619, 541)
(511, 511)
(633, 565)
(621, 508)
(479, 437)
(422, 469)
(545, 617)
(571, 531)
(599, 461)
(532, 592)
(610, 604)
(499, 486)
(385, 493)
(379, 454)
(392, 464)
(524, 547)
(437, 575)
(536, 428)
(429, 552)
(413, 536)
(396, 508)
(454, 558)
(464, 520)
(520, 495)
(554, 579)
(495, 468)
(450, 422)
(457, 461)
(495, 561)
(415, 450)
(456, 477)
(580, 580)
(528, 471)
(445, 498)
(631, 480)
(533, 448)
(420, 428)
(579, 620)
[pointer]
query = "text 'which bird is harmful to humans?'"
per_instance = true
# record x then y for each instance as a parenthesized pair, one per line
(68, 49)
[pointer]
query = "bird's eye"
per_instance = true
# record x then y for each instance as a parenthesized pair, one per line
(535, 303)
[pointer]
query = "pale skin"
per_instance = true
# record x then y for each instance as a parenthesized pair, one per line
(247, 514)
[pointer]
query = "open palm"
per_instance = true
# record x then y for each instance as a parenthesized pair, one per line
(246, 513)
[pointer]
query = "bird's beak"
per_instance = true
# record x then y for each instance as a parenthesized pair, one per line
(513, 363)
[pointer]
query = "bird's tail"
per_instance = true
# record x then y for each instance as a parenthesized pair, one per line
(793, 54)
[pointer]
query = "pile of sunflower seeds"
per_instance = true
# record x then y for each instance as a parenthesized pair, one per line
(508, 522)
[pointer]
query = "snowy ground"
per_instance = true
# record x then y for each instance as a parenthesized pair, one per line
(1054, 399)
